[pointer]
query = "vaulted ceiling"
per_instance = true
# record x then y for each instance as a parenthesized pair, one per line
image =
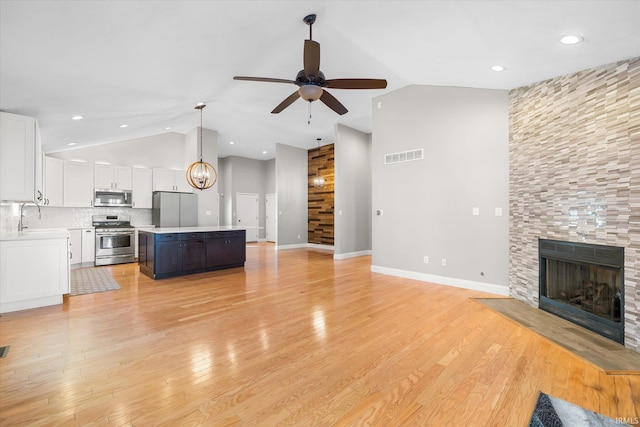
(146, 64)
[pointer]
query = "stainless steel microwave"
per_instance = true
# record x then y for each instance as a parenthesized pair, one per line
(111, 197)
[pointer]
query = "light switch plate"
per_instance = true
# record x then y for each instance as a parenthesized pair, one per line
(498, 211)
(475, 211)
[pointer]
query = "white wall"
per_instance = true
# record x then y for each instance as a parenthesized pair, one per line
(208, 210)
(158, 151)
(248, 176)
(170, 150)
(352, 212)
(226, 194)
(427, 204)
(291, 190)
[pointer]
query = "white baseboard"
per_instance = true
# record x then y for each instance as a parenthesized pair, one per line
(305, 245)
(7, 307)
(297, 246)
(351, 254)
(317, 246)
(442, 280)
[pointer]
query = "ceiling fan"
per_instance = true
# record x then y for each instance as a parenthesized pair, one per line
(311, 80)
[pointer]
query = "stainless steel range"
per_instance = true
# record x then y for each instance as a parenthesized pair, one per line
(115, 239)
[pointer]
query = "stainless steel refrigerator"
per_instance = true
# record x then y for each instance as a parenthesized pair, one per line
(174, 209)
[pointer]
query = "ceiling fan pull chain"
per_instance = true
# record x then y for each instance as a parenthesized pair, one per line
(309, 120)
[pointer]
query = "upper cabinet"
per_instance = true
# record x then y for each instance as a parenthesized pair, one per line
(53, 181)
(170, 180)
(78, 184)
(142, 188)
(20, 157)
(113, 177)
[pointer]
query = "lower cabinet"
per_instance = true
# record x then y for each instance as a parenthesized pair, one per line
(24, 286)
(168, 255)
(226, 247)
(175, 254)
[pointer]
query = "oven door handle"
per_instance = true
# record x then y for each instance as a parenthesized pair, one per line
(115, 233)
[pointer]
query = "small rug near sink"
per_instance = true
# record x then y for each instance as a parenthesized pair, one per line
(91, 280)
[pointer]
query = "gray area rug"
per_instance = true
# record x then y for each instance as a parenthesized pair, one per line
(553, 412)
(91, 280)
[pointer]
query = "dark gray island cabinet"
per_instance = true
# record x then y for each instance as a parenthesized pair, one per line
(162, 255)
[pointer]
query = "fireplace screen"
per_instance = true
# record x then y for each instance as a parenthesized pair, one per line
(584, 283)
(591, 288)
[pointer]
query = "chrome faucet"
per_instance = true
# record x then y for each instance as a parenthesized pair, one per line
(21, 226)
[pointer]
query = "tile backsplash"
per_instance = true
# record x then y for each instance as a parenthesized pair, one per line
(54, 217)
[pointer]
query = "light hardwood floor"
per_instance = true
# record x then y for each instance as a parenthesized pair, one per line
(295, 338)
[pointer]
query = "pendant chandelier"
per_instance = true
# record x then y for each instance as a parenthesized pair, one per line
(201, 175)
(318, 181)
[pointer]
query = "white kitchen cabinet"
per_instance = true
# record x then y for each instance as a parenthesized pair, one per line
(33, 273)
(112, 177)
(142, 192)
(53, 181)
(20, 168)
(75, 246)
(78, 184)
(181, 182)
(170, 180)
(88, 246)
(39, 175)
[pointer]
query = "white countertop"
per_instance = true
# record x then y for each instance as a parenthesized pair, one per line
(35, 234)
(200, 229)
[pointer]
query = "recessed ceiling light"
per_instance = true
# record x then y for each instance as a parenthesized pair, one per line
(71, 143)
(124, 126)
(264, 152)
(497, 68)
(77, 118)
(231, 142)
(167, 128)
(571, 39)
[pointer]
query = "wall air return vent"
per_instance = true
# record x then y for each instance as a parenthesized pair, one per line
(404, 156)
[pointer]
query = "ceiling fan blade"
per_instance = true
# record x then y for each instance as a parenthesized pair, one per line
(332, 103)
(311, 58)
(263, 79)
(357, 83)
(284, 104)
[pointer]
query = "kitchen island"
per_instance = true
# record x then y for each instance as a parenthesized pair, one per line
(177, 251)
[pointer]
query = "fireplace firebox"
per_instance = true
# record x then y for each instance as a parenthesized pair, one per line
(584, 283)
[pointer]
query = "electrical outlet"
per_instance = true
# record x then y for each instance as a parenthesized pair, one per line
(498, 211)
(426, 260)
(444, 261)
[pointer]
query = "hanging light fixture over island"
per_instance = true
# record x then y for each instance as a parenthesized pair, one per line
(201, 175)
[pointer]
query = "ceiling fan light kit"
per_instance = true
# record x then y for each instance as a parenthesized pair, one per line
(311, 81)
(310, 92)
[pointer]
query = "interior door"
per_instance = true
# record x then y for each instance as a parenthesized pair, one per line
(270, 208)
(247, 214)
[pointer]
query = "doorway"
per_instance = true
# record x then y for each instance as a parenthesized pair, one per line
(247, 214)
(271, 214)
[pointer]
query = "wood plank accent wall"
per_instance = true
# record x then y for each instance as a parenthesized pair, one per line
(321, 200)
(574, 160)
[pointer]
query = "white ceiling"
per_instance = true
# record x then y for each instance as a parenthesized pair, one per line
(148, 63)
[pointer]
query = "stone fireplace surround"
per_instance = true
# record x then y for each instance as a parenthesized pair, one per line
(574, 174)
